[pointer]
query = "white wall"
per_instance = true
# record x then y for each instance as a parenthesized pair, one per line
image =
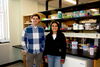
(41, 7)
(17, 9)
(7, 52)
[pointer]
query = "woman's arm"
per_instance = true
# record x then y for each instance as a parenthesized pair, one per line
(63, 47)
(46, 46)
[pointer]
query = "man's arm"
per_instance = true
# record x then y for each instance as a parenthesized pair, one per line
(43, 41)
(24, 40)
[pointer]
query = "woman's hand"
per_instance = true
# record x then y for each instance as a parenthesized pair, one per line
(62, 61)
(46, 60)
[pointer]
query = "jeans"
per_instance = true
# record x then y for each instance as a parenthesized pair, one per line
(54, 61)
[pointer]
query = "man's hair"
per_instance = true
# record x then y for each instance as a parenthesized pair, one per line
(35, 15)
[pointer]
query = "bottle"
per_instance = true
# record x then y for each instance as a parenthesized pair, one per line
(59, 14)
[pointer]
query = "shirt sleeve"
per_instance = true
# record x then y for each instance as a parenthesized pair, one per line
(24, 40)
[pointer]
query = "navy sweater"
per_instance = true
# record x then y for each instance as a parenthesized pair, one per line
(55, 47)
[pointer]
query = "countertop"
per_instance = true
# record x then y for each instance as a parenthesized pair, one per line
(18, 46)
(74, 52)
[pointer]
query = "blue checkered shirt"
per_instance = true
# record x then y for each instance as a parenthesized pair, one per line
(33, 39)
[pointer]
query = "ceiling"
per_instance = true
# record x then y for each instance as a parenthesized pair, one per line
(55, 3)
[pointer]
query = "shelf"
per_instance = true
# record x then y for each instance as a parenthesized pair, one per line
(74, 8)
(27, 23)
(76, 18)
(72, 30)
(81, 35)
(49, 30)
(80, 30)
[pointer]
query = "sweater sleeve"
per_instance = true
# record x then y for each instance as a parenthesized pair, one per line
(63, 53)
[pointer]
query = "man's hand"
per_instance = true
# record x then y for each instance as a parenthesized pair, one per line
(23, 52)
(46, 60)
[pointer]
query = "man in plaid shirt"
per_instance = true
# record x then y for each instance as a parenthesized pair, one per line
(33, 42)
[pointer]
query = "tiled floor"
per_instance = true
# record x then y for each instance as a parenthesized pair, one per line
(16, 65)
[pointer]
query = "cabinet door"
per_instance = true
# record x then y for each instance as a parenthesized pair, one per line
(74, 63)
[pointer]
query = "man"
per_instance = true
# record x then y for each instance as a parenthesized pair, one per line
(33, 42)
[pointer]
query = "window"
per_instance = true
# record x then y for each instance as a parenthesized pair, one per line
(4, 21)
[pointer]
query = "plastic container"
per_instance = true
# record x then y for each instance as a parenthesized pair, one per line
(75, 26)
(85, 48)
(91, 51)
(87, 26)
(74, 45)
(81, 27)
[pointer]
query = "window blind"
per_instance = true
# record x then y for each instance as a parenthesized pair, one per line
(4, 21)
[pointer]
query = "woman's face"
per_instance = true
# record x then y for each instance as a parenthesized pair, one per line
(54, 27)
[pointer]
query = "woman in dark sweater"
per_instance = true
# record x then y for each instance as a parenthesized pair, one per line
(55, 48)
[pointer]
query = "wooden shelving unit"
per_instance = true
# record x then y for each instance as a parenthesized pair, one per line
(26, 21)
(74, 18)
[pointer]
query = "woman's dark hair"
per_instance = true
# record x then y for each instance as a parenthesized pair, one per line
(35, 15)
(57, 25)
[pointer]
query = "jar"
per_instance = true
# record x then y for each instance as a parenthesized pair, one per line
(59, 14)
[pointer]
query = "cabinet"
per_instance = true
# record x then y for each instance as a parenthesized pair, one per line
(73, 61)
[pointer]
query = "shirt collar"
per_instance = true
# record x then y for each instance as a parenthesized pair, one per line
(34, 26)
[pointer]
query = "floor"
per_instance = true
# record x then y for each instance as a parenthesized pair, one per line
(16, 65)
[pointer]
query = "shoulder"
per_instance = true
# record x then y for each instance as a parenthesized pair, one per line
(28, 29)
(41, 28)
(48, 35)
(61, 34)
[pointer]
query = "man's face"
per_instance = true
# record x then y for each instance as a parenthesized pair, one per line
(35, 20)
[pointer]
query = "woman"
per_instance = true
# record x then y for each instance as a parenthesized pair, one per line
(55, 48)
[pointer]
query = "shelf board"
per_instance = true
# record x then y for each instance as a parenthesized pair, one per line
(76, 18)
(74, 8)
(49, 30)
(72, 30)
(27, 23)
(81, 30)
(80, 35)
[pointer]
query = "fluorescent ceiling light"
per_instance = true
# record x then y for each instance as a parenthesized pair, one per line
(94, 10)
(71, 1)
